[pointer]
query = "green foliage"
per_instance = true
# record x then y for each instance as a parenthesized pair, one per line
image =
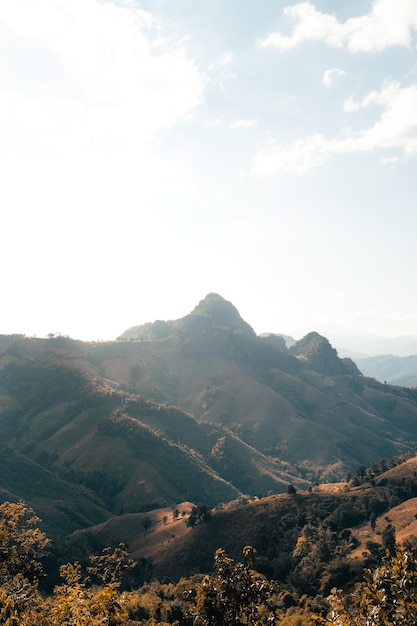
(21, 542)
(21, 546)
(234, 595)
(319, 560)
(111, 564)
(387, 597)
(388, 538)
(38, 385)
(200, 514)
(75, 604)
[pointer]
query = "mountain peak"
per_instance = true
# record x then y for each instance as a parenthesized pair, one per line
(321, 356)
(221, 312)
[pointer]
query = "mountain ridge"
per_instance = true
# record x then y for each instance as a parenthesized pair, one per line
(199, 408)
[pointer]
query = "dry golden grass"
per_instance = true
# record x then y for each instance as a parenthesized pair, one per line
(332, 487)
(406, 469)
(402, 518)
(142, 540)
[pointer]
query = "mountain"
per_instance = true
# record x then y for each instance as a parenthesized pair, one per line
(213, 312)
(303, 405)
(199, 409)
(321, 357)
(75, 429)
(390, 368)
(396, 370)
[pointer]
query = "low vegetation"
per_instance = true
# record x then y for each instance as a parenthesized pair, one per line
(303, 570)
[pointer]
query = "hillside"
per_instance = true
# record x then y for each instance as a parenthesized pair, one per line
(63, 506)
(198, 409)
(308, 540)
(307, 543)
(67, 424)
(303, 405)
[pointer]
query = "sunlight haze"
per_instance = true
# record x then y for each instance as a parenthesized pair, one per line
(152, 152)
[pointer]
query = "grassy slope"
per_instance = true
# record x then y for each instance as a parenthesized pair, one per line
(67, 406)
(133, 454)
(402, 517)
(176, 550)
(303, 418)
(324, 425)
(62, 507)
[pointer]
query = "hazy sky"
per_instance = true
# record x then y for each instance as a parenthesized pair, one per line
(154, 151)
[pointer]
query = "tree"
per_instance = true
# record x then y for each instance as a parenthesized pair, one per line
(71, 602)
(22, 545)
(388, 597)
(234, 595)
(76, 604)
(388, 538)
(111, 564)
(199, 514)
(146, 523)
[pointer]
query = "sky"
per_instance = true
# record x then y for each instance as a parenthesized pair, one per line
(152, 152)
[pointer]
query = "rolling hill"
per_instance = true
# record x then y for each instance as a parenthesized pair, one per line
(78, 436)
(199, 409)
(312, 539)
(303, 405)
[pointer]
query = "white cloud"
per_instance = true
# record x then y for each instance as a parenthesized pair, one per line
(351, 106)
(35, 116)
(389, 23)
(94, 88)
(296, 159)
(216, 121)
(389, 160)
(330, 75)
(119, 82)
(226, 59)
(382, 97)
(311, 26)
(220, 71)
(396, 128)
(243, 123)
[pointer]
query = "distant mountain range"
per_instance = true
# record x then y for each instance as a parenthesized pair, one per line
(391, 360)
(199, 409)
(396, 370)
(365, 344)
